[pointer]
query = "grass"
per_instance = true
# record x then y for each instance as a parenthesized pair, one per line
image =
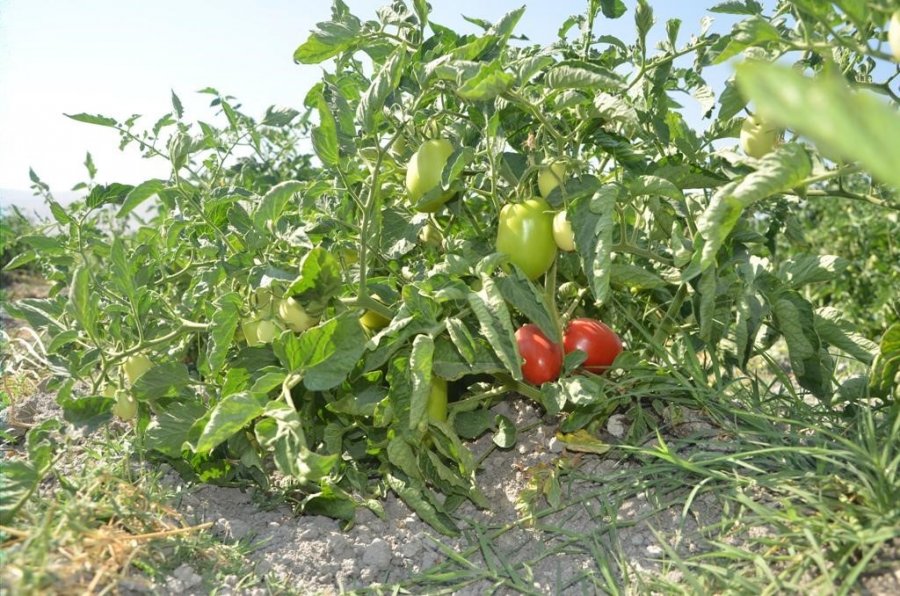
(102, 520)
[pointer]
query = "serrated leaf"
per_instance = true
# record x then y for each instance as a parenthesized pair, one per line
(171, 428)
(228, 417)
(139, 194)
(93, 119)
(319, 281)
(371, 104)
(324, 136)
(582, 75)
(583, 441)
(414, 497)
(329, 39)
(274, 202)
(488, 82)
(525, 297)
(592, 224)
(420, 363)
(224, 325)
(162, 380)
(81, 301)
(496, 325)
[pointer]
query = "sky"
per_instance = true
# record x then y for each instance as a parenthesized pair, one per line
(121, 58)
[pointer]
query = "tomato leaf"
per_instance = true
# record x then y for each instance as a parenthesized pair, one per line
(525, 297)
(224, 325)
(496, 325)
(274, 203)
(592, 223)
(420, 363)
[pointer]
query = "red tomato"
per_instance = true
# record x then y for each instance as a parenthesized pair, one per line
(543, 358)
(595, 339)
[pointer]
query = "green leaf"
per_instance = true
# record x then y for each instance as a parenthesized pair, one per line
(324, 355)
(414, 497)
(371, 104)
(328, 40)
(748, 7)
(612, 9)
(884, 374)
(795, 320)
(707, 288)
(448, 363)
(755, 31)
(224, 325)
(139, 194)
(92, 119)
(324, 136)
(228, 417)
(488, 82)
(122, 268)
(832, 330)
(275, 202)
(471, 425)
(654, 186)
(162, 380)
(778, 171)
(525, 297)
(81, 300)
(506, 435)
(420, 363)
(624, 275)
(845, 124)
(168, 432)
(21, 259)
(496, 325)
(807, 269)
(575, 74)
(319, 281)
(643, 20)
(111, 193)
(592, 223)
(18, 481)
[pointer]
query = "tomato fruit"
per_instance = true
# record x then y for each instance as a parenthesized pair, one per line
(135, 366)
(894, 35)
(599, 342)
(525, 234)
(266, 330)
(374, 321)
(294, 315)
(423, 173)
(758, 137)
(562, 232)
(126, 406)
(550, 177)
(542, 358)
(430, 235)
(437, 400)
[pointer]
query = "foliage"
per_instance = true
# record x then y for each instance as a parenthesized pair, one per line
(676, 235)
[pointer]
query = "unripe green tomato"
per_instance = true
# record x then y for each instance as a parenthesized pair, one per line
(250, 329)
(437, 400)
(398, 147)
(525, 234)
(431, 235)
(758, 137)
(894, 35)
(267, 330)
(135, 366)
(108, 390)
(374, 321)
(126, 406)
(294, 315)
(424, 173)
(550, 177)
(562, 232)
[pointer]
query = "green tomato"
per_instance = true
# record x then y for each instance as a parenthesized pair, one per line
(126, 406)
(250, 329)
(525, 234)
(550, 177)
(424, 173)
(374, 321)
(108, 390)
(267, 330)
(894, 35)
(437, 400)
(562, 232)
(757, 137)
(294, 315)
(135, 366)
(430, 235)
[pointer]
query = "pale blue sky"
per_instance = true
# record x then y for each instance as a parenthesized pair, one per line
(118, 58)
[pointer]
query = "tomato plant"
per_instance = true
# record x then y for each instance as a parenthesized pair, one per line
(665, 230)
(542, 358)
(437, 400)
(599, 343)
(525, 235)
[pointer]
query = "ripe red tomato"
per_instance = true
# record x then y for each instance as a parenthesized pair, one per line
(599, 342)
(543, 358)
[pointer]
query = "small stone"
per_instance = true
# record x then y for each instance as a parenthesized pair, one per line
(617, 425)
(239, 529)
(555, 445)
(377, 555)
(187, 577)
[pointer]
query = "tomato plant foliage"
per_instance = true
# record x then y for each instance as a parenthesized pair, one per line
(679, 241)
